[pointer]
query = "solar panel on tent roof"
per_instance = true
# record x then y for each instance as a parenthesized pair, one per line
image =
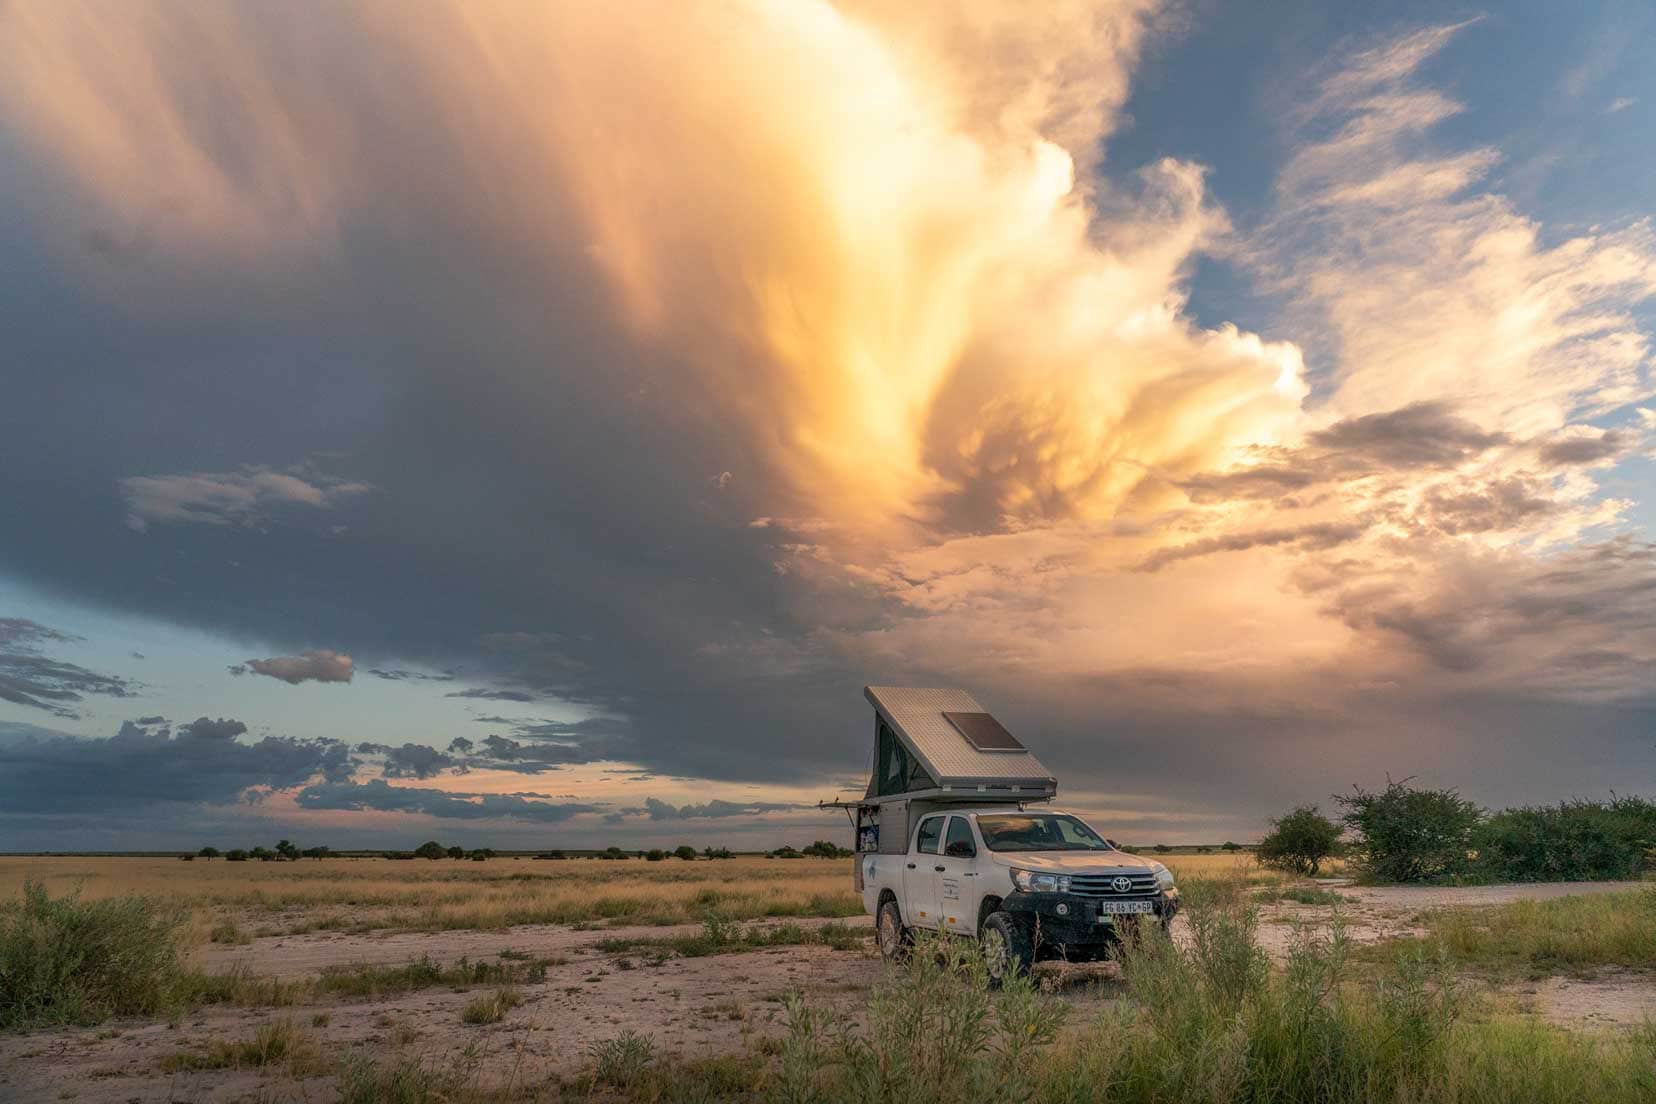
(983, 732)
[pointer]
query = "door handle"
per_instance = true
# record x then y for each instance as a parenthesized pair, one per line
(940, 869)
(970, 874)
(911, 866)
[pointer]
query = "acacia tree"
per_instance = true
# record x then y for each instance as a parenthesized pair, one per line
(430, 849)
(1300, 841)
(1410, 835)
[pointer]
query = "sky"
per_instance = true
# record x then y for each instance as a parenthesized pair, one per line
(534, 425)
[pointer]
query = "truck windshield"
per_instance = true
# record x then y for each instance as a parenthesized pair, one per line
(1039, 832)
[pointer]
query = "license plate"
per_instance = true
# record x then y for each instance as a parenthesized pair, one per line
(1124, 908)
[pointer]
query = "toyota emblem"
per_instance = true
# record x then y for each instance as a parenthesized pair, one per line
(1122, 884)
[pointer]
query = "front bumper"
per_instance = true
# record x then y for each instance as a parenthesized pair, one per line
(1070, 919)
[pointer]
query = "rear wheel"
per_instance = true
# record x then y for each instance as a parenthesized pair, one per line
(1006, 949)
(894, 938)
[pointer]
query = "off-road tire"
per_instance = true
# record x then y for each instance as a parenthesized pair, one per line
(1007, 952)
(894, 939)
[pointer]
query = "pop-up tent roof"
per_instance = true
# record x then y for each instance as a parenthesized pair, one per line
(941, 744)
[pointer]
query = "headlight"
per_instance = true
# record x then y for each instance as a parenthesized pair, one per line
(1031, 881)
(1164, 877)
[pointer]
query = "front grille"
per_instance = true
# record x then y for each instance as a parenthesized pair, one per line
(1142, 883)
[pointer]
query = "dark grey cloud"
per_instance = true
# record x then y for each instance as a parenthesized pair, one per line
(716, 809)
(1317, 537)
(1584, 449)
(493, 695)
(146, 766)
(27, 677)
(399, 674)
(205, 728)
(317, 665)
(412, 760)
(1419, 435)
(380, 795)
(1490, 507)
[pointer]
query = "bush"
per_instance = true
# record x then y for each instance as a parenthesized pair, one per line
(784, 852)
(1206, 1022)
(685, 852)
(64, 960)
(235, 855)
(456, 852)
(430, 849)
(208, 852)
(717, 852)
(825, 850)
(1300, 841)
(1409, 835)
(613, 853)
(1228, 845)
(1584, 840)
(655, 854)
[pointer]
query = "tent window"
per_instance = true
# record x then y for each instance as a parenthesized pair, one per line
(899, 772)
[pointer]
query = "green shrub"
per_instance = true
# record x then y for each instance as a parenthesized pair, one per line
(64, 960)
(430, 849)
(1409, 835)
(1300, 841)
(1569, 841)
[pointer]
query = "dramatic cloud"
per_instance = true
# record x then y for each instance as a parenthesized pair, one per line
(382, 796)
(320, 665)
(29, 678)
(242, 498)
(708, 360)
(144, 766)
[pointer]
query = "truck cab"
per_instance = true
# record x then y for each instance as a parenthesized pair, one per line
(1030, 883)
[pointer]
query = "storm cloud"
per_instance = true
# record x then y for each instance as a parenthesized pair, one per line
(569, 405)
(448, 804)
(145, 766)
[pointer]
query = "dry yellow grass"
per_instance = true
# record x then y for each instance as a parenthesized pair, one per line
(420, 895)
(423, 895)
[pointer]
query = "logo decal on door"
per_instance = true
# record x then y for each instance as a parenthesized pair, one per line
(951, 889)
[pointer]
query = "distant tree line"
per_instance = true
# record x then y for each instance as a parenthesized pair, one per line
(1408, 834)
(284, 851)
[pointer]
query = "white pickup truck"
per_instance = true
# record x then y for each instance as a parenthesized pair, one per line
(1030, 884)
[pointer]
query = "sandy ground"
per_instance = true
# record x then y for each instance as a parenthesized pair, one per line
(692, 1007)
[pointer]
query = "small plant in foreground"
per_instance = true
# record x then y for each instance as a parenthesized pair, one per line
(620, 1062)
(491, 1008)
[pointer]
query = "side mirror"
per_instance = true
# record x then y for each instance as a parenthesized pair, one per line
(960, 850)
(1113, 844)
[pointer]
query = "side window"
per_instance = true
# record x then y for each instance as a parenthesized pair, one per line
(930, 830)
(960, 845)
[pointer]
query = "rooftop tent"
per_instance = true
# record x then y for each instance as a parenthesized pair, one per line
(941, 744)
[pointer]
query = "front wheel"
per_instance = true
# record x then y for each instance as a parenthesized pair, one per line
(1006, 949)
(894, 938)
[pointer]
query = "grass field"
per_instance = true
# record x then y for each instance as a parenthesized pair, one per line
(235, 901)
(140, 988)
